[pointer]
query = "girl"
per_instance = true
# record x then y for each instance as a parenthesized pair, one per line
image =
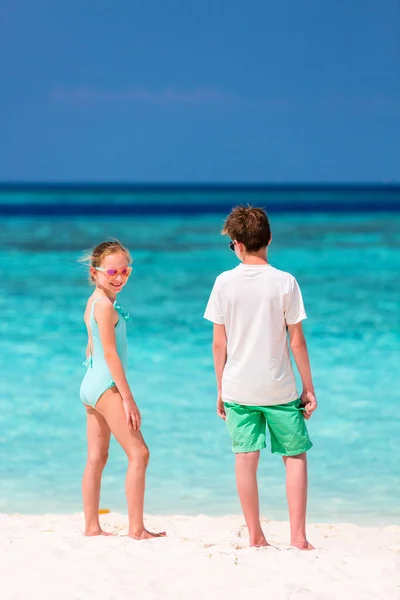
(105, 392)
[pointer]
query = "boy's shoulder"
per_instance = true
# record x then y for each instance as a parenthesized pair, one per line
(282, 275)
(227, 275)
(273, 272)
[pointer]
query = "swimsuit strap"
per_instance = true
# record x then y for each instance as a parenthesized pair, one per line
(93, 303)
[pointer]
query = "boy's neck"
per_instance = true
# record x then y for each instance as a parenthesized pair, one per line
(258, 258)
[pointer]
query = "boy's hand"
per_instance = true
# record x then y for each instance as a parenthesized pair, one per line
(220, 407)
(309, 402)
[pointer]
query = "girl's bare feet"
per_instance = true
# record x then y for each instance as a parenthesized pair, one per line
(258, 542)
(302, 545)
(146, 535)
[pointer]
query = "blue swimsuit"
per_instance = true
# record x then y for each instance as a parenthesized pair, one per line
(98, 379)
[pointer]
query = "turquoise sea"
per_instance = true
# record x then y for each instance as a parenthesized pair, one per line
(347, 263)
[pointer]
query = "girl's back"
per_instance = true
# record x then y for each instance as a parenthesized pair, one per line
(98, 378)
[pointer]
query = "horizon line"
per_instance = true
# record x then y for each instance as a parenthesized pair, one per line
(48, 186)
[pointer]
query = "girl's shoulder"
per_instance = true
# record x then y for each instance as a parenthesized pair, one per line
(102, 307)
(93, 305)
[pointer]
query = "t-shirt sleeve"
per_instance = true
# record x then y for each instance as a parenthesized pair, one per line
(214, 311)
(294, 309)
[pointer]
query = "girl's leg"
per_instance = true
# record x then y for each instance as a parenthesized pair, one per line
(296, 489)
(98, 435)
(111, 407)
(246, 479)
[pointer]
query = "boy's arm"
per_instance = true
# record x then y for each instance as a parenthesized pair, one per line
(219, 354)
(299, 350)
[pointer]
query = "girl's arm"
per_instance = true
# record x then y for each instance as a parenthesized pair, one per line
(104, 314)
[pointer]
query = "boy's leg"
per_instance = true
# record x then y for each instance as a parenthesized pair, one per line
(289, 438)
(296, 489)
(246, 426)
(246, 480)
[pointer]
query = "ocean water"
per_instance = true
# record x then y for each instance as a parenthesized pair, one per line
(347, 264)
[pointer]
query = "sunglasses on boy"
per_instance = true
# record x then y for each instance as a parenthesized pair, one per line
(113, 273)
(232, 245)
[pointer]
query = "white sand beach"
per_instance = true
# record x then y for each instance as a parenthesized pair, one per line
(48, 558)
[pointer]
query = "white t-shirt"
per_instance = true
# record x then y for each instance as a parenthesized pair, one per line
(255, 303)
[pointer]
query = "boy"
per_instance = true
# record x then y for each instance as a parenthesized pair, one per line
(252, 308)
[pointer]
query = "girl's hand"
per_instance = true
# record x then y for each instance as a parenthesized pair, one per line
(132, 414)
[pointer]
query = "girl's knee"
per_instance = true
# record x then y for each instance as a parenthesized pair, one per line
(98, 459)
(139, 456)
(145, 455)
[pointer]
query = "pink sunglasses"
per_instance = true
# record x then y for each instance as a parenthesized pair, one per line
(113, 273)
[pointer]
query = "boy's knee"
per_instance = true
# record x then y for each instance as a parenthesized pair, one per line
(247, 457)
(302, 456)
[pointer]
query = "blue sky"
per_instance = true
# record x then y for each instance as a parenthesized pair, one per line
(212, 91)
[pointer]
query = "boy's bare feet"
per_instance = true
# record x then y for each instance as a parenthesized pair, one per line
(93, 532)
(258, 542)
(302, 545)
(146, 535)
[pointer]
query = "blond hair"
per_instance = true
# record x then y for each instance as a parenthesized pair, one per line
(95, 257)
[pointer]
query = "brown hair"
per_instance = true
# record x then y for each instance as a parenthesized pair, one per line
(249, 226)
(95, 257)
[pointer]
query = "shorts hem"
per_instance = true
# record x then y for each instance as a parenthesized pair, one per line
(295, 453)
(254, 448)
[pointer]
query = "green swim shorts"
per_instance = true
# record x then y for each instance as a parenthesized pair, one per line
(286, 424)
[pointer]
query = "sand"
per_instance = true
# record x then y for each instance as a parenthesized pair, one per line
(47, 557)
